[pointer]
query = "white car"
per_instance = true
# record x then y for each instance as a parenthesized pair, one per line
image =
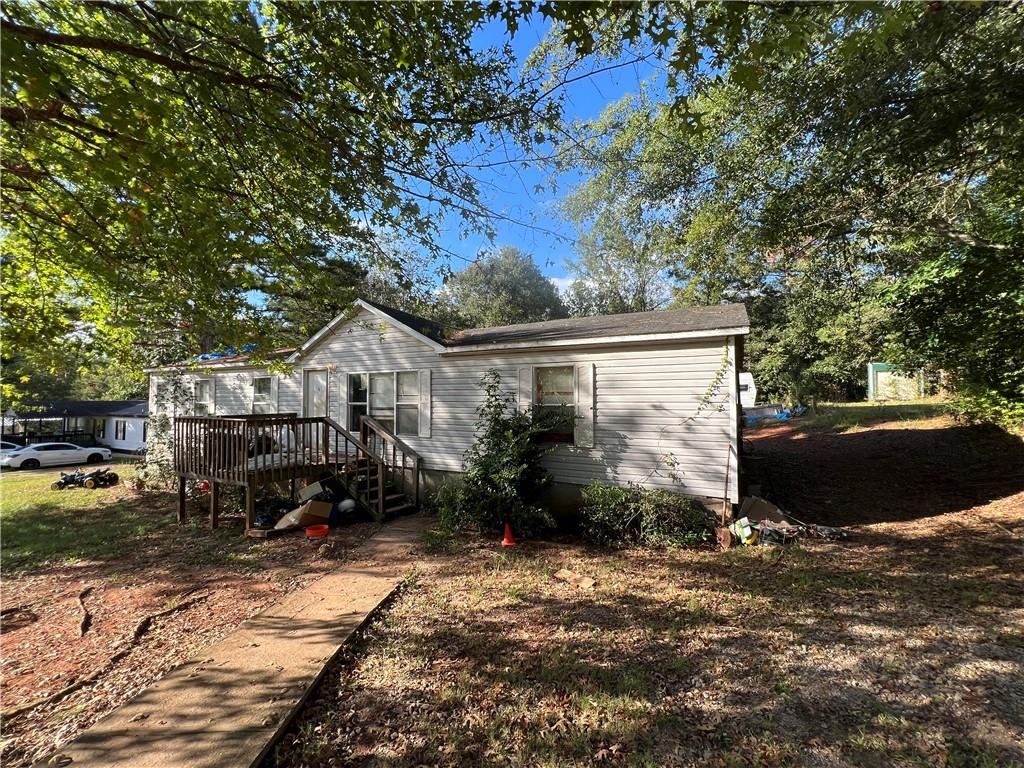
(49, 454)
(6, 447)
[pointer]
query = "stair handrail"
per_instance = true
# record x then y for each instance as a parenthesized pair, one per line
(368, 424)
(357, 442)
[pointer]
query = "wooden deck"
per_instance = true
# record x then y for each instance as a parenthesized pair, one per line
(377, 469)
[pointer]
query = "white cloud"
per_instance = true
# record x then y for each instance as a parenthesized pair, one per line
(563, 284)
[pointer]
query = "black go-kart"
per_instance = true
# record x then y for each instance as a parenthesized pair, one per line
(94, 478)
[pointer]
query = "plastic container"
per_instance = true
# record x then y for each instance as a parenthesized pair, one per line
(316, 532)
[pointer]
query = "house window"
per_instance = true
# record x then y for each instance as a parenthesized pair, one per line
(392, 398)
(145, 430)
(407, 402)
(120, 429)
(263, 395)
(204, 397)
(358, 389)
(555, 401)
(100, 430)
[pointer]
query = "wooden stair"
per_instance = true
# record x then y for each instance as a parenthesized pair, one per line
(365, 489)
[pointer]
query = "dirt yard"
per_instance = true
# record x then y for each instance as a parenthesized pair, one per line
(900, 646)
(126, 557)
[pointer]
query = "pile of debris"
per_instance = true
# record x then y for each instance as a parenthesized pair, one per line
(324, 503)
(762, 523)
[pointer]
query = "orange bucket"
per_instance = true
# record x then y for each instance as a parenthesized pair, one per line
(314, 532)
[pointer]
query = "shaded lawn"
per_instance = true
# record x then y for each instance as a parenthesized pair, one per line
(899, 647)
(891, 471)
(128, 551)
(42, 526)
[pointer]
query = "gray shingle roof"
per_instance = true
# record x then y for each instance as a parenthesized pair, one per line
(662, 321)
(56, 409)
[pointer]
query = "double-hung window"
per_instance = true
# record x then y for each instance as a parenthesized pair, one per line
(358, 392)
(145, 431)
(100, 430)
(407, 402)
(555, 401)
(203, 395)
(120, 429)
(263, 400)
(392, 398)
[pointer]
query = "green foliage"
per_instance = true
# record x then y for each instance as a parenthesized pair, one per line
(636, 516)
(166, 162)
(503, 476)
(504, 287)
(964, 313)
(974, 402)
(855, 174)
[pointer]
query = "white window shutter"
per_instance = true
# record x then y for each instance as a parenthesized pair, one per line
(424, 430)
(525, 388)
(583, 433)
(273, 393)
(213, 395)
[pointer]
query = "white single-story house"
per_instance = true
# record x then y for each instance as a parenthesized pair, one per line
(655, 394)
(120, 425)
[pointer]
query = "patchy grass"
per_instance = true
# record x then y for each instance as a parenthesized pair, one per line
(129, 555)
(43, 526)
(882, 650)
(841, 417)
(901, 646)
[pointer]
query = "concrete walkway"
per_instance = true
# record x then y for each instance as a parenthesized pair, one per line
(226, 707)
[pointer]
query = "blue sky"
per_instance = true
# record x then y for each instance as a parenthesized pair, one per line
(511, 191)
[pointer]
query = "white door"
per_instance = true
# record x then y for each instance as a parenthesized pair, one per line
(314, 393)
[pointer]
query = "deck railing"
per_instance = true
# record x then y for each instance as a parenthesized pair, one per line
(401, 462)
(251, 450)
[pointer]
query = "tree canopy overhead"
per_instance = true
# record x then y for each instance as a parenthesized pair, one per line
(162, 161)
(854, 171)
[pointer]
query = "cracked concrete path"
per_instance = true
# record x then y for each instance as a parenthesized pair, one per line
(227, 706)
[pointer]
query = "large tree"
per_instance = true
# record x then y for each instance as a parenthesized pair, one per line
(165, 161)
(504, 287)
(883, 140)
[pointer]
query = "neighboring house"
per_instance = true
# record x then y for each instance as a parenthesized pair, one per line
(118, 424)
(655, 394)
(884, 383)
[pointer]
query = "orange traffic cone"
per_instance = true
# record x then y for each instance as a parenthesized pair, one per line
(509, 540)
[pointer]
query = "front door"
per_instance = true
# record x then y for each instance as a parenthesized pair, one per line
(314, 393)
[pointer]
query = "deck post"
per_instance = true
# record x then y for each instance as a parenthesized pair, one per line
(380, 493)
(182, 510)
(214, 504)
(250, 505)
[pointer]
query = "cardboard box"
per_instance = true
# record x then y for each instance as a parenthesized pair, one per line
(310, 513)
(307, 492)
(756, 509)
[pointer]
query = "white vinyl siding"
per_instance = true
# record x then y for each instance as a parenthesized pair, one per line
(124, 434)
(641, 419)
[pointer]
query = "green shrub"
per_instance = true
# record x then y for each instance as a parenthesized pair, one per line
(636, 516)
(503, 476)
(979, 404)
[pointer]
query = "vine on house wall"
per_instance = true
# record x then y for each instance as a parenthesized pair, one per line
(708, 402)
